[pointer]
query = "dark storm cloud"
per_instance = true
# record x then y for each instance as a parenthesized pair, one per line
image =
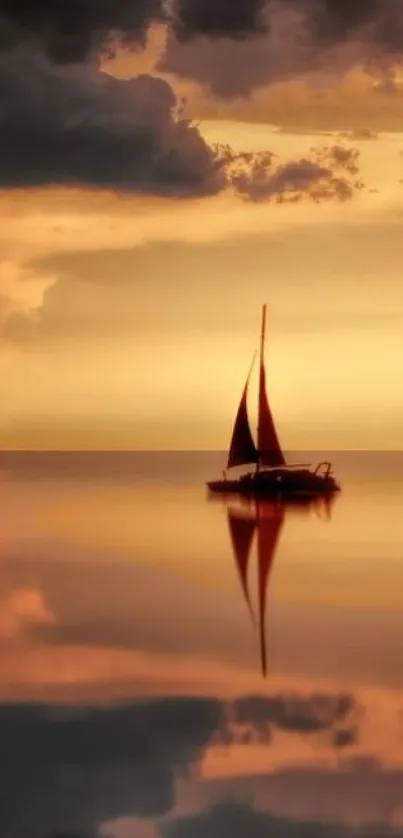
(70, 31)
(218, 18)
(379, 21)
(63, 121)
(228, 67)
(81, 126)
(299, 37)
(329, 21)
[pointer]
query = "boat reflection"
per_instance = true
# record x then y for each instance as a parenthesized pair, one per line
(266, 519)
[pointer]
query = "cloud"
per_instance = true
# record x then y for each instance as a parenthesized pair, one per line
(76, 126)
(342, 157)
(208, 18)
(298, 38)
(64, 121)
(99, 232)
(82, 126)
(319, 178)
(21, 288)
(359, 134)
(70, 32)
(73, 32)
(232, 67)
(326, 21)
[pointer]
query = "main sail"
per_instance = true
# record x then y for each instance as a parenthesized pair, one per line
(269, 448)
(242, 449)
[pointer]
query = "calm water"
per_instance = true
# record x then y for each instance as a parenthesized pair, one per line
(131, 663)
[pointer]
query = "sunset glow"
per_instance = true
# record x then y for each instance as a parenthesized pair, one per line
(129, 319)
(201, 577)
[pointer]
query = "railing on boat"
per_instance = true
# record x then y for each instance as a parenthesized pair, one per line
(324, 467)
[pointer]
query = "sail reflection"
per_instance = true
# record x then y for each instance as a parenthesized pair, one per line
(266, 519)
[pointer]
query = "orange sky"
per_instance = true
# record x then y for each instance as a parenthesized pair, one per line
(130, 322)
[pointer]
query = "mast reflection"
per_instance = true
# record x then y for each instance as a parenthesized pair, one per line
(266, 519)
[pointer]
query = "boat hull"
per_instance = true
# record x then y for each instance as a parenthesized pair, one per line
(284, 483)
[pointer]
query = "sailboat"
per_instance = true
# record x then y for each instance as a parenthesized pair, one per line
(273, 476)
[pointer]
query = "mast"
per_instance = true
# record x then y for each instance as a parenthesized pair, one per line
(262, 343)
(268, 445)
(261, 379)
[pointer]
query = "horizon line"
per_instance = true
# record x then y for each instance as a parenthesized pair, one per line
(192, 451)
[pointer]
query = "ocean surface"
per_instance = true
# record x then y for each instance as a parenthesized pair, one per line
(174, 666)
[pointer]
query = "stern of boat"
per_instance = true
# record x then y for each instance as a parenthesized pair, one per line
(323, 472)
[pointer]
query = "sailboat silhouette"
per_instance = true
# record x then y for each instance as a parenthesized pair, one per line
(266, 519)
(273, 476)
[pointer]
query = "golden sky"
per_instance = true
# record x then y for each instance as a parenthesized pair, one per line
(129, 321)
